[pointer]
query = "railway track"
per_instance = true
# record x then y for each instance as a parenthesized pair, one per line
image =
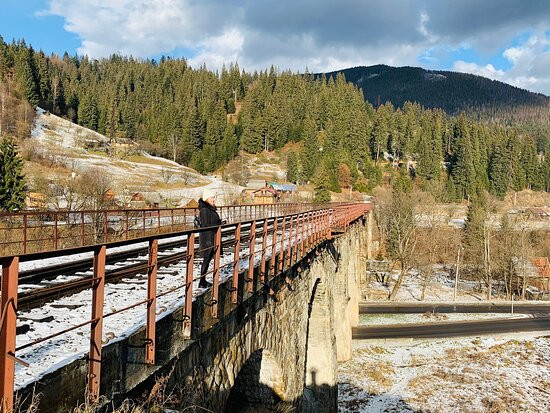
(36, 297)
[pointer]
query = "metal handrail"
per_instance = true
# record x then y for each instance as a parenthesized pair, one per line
(301, 231)
(24, 231)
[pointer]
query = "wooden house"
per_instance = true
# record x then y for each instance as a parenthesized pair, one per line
(137, 200)
(192, 204)
(252, 186)
(265, 195)
(285, 191)
(35, 200)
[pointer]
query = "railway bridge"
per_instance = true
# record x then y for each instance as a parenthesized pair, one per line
(116, 318)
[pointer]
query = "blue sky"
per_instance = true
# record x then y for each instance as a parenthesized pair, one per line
(22, 19)
(508, 40)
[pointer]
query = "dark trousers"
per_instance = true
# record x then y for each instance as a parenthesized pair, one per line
(206, 263)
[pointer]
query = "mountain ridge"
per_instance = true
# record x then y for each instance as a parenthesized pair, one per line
(451, 91)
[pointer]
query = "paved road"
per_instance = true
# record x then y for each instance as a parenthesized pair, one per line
(453, 329)
(481, 307)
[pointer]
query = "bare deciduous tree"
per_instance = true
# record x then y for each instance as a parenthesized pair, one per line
(398, 222)
(430, 243)
(167, 174)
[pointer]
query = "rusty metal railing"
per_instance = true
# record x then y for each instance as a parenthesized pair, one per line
(36, 231)
(282, 240)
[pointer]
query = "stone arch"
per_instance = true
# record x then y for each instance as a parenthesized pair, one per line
(259, 386)
(320, 381)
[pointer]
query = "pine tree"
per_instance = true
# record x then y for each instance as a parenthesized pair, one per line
(87, 112)
(499, 172)
(12, 181)
(322, 184)
(292, 167)
(464, 166)
(429, 162)
(29, 78)
(476, 216)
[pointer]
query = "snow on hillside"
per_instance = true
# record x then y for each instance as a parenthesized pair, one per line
(80, 149)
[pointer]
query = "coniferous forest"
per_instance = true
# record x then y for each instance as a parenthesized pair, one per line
(203, 119)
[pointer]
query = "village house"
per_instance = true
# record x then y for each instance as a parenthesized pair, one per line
(35, 200)
(265, 195)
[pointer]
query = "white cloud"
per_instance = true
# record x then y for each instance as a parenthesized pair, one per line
(530, 65)
(217, 50)
(486, 71)
(139, 27)
(321, 35)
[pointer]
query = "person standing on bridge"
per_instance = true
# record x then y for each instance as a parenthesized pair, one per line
(208, 217)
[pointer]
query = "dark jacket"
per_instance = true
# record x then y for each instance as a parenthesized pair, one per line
(209, 218)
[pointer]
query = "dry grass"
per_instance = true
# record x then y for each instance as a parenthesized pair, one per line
(176, 184)
(380, 374)
(158, 399)
(525, 198)
(476, 376)
(149, 161)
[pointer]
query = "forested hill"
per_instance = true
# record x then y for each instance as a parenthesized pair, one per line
(451, 91)
(340, 141)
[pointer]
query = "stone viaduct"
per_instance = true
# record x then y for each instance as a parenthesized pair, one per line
(274, 348)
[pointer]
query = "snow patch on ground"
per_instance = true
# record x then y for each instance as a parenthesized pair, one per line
(447, 376)
(439, 288)
(69, 143)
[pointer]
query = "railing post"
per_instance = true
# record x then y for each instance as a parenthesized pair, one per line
(10, 273)
(158, 221)
(313, 242)
(282, 248)
(250, 279)
(24, 233)
(273, 249)
(307, 232)
(216, 272)
(289, 247)
(55, 232)
(303, 241)
(236, 253)
(94, 359)
(172, 220)
(264, 252)
(190, 266)
(82, 230)
(320, 226)
(296, 244)
(105, 227)
(329, 221)
(126, 223)
(150, 329)
(312, 229)
(143, 212)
